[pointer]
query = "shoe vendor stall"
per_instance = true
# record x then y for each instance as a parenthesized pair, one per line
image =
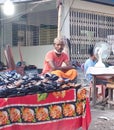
(36, 102)
(41, 102)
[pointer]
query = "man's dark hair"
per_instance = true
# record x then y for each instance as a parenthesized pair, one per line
(91, 51)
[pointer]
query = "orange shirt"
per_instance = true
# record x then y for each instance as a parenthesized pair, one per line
(51, 56)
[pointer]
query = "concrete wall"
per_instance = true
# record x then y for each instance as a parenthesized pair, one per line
(33, 55)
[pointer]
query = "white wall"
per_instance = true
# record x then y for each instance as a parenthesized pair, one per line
(33, 55)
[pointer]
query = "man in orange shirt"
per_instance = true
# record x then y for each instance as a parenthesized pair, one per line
(54, 60)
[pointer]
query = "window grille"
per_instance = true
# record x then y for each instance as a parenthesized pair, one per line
(25, 35)
(35, 28)
(29, 35)
(47, 34)
(87, 28)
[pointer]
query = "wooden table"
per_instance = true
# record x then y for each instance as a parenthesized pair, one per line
(97, 73)
(62, 110)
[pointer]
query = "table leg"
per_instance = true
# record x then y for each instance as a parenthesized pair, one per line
(94, 91)
(110, 96)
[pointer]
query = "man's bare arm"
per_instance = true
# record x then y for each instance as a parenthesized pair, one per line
(63, 68)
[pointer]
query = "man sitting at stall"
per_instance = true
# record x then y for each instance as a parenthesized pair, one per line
(54, 60)
(90, 62)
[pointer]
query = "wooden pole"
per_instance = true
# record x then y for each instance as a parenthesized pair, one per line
(12, 62)
(6, 57)
(9, 58)
(59, 6)
(20, 54)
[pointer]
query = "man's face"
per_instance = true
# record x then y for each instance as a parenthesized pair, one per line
(59, 46)
(94, 58)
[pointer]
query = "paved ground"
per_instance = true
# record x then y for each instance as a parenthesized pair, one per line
(102, 117)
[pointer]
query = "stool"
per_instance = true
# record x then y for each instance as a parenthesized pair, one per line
(110, 87)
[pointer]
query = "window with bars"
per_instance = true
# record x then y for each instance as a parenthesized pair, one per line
(47, 34)
(35, 28)
(87, 28)
(25, 35)
(29, 35)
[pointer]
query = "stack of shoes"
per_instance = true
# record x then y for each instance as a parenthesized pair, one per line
(13, 84)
